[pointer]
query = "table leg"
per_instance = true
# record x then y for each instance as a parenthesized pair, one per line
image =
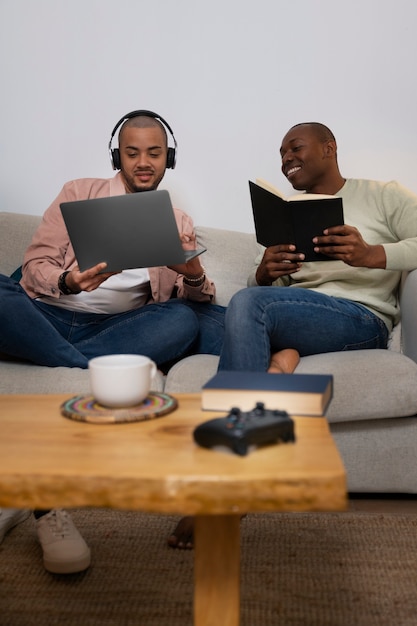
(217, 570)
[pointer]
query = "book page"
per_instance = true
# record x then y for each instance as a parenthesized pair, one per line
(298, 196)
(309, 196)
(265, 185)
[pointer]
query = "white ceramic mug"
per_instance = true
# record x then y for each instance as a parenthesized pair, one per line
(121, 380)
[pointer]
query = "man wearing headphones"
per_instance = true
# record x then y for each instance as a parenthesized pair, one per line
(60, 316)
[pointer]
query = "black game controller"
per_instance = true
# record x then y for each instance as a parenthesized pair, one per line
(238, 430)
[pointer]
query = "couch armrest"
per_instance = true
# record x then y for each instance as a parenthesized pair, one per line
(16, 231)
(408, 304)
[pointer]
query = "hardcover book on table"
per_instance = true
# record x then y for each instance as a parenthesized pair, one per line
(298, 394)
(296, 219)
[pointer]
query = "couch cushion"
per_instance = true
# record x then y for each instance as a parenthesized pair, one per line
(191, 373)
(229, 259)
(368, 384)
(26, 378)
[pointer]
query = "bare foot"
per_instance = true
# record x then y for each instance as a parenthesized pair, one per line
(284, 361)
(183, 535)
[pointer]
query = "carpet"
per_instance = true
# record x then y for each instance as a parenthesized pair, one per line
(301, 569)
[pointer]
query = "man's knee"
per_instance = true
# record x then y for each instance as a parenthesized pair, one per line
(242, 301)
(182, 318)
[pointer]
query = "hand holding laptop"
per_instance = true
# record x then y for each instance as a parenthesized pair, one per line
(192, 268)
(75, 281)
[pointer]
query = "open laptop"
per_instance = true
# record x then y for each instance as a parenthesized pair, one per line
(129, 231)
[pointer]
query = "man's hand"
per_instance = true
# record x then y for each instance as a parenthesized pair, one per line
(345, 243)
(193, 268)
(89, 279)
(278, 261)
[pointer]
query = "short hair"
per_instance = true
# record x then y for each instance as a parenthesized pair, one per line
(322, 132)
(144, 121)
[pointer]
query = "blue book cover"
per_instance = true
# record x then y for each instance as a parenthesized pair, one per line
(302, 394)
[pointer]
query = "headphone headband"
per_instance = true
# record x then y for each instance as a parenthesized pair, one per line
(115, 153)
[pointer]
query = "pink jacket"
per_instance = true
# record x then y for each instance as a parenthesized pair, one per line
(50, 252)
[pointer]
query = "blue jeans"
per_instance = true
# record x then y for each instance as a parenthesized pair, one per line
(49, 335)
(263, 320)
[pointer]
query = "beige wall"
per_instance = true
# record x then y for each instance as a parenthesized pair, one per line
(230, 76)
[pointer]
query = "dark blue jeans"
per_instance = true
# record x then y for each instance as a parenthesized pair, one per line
(263, 320)
(49, 335)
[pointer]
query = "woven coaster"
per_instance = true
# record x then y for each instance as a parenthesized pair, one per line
(87, 409)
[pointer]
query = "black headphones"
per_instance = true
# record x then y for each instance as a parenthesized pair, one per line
(115, 153)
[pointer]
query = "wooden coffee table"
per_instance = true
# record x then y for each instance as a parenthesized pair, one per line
(49, 461)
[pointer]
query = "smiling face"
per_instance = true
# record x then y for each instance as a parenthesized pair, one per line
(143, 157)
(309, 158)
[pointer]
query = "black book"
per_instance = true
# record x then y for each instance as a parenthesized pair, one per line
(294, 220)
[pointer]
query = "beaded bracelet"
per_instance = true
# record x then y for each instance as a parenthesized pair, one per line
(196, 281)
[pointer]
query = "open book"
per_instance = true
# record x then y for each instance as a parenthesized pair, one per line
(296, 219)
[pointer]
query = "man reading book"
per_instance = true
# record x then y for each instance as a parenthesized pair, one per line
(294, 308)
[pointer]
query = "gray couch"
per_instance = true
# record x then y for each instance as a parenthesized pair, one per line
(373, 415)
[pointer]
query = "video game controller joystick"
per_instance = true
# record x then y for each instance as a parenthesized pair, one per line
(238, 429)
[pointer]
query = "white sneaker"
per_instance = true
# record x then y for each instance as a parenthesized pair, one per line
(64, 550)
(10, 518)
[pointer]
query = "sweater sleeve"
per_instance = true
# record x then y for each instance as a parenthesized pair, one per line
(50, 251)
(400, 207)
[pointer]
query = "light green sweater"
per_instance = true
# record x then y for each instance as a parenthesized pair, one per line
(384, 213)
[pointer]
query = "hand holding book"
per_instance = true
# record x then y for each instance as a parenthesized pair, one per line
(297, 220)
(277, 261)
